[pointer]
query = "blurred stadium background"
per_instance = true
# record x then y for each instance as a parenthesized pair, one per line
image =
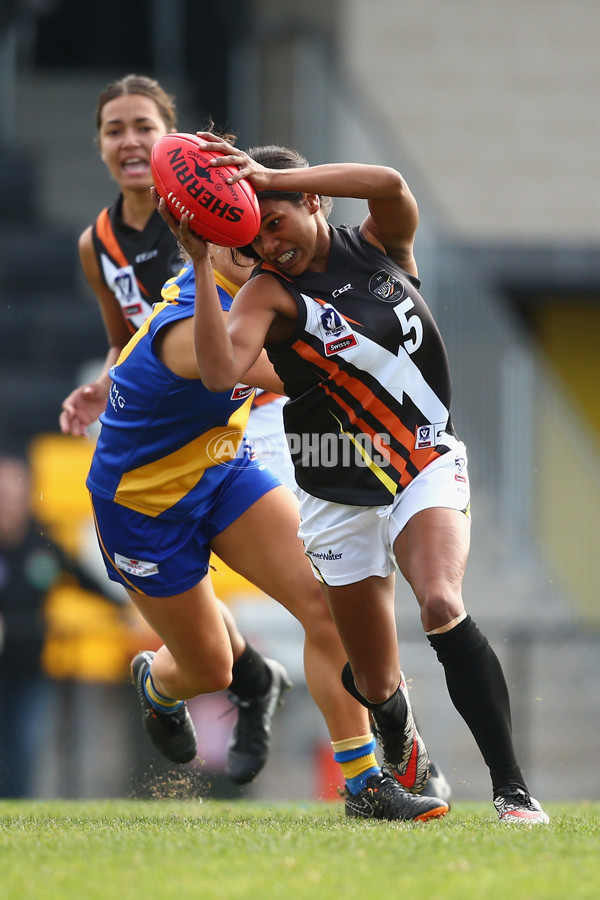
(491, 112)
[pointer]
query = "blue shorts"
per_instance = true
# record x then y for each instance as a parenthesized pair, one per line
(162, 557)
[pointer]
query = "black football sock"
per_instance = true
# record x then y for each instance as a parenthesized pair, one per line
(389, 714)
(251, 677)
(478, 690)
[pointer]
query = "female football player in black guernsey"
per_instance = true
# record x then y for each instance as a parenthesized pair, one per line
(382, 476)
(127, 255)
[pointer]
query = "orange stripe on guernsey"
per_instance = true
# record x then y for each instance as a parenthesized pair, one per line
(264, 398)
(107, 236)
(267, 267)
(347, 318)
(185, 466)
(390, 422)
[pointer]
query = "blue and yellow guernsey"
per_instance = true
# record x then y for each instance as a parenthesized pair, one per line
(166, 441)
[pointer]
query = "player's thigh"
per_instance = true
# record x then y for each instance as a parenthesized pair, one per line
(432, 552)
(192, 628)
(263, 546)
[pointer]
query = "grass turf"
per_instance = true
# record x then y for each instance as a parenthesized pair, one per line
(99, 850)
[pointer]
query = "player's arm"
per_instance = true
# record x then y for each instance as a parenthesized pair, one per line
(222, 359)
(393, 215)
(228, 349)
(174, 346)
(84, 404)
(392, 223)
(263, 375)
(117, 330)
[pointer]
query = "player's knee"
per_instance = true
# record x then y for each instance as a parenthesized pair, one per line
(439, 607)
(211, 682)
(211, 678)
(311, 609)
(378, 683)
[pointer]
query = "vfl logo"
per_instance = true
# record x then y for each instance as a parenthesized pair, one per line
(387, 287)
(331, 320)
(429, 435)
(125, 285)
(459, 467)
(337, 334)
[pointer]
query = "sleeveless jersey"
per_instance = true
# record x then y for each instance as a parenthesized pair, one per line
(134, 264)
(367, 375)
(166, 441)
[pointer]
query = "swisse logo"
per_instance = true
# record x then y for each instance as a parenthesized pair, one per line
(340, 344)
(190, 172)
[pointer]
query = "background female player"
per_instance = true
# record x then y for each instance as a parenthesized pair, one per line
(366, 370)
(127, 255)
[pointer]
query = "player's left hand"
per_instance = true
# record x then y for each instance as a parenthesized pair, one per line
(248, 168)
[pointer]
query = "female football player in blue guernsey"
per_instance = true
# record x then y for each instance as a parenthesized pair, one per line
(382, 476)
(126, 256)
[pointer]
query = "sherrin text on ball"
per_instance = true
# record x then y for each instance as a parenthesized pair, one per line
(225, 214)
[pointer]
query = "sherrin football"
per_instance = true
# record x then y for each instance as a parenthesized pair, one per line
(225, 214)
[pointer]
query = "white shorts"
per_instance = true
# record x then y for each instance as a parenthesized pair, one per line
(348, 543)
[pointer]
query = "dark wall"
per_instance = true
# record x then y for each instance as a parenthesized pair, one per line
(130, 37)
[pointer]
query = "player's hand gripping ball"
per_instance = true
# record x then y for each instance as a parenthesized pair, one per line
(225, 214)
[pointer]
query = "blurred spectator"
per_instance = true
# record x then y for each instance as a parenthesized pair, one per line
(31, 564)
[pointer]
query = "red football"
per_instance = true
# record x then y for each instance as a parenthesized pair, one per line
(226, 214)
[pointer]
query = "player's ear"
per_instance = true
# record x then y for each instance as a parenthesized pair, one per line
(313, 203)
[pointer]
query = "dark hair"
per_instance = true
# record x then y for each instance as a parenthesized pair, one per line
(275, 157)
(146, 87)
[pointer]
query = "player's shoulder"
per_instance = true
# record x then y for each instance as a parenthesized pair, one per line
(85, 240)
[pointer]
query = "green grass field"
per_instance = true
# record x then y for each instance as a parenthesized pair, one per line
(100, 850)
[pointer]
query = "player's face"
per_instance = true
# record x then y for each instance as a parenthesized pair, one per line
(289, 236)
(129, 128)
